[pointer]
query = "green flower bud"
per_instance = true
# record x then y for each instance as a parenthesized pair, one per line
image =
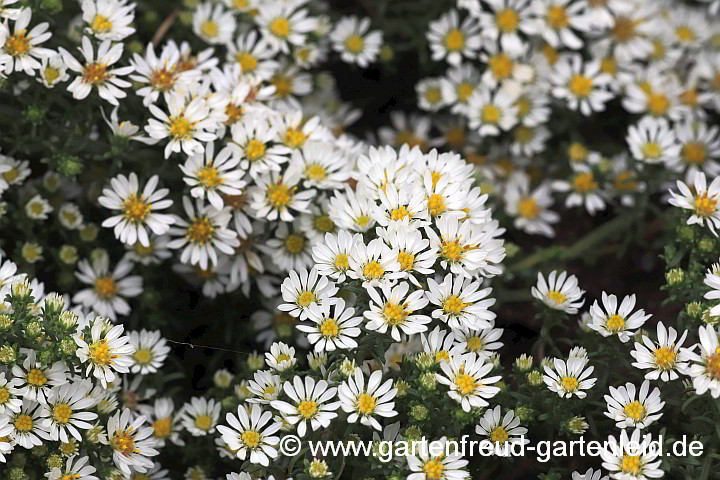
(706, 244)
(68, 319)
(52, 7)
(524, 363)
(45, 356)
(525, 414)
(576, 425)
(5, 322)
(34, 329)
(136, 46)
(69, 165)
(7, 354)
(54, 303)
(35, 114)
(694, 309)
(39, 450)
(413, 433)
(89, 232)
(427, 381)
(67, 346)
(16, 473)
(675, 276)
(21, 290)
(511, 250)
(419, 413)
(424, 361)
(229, 403)
(402, 388)
(685, 233)
(535, 378)
(708, 318)
(55, 461)
(68, 254)
(386, 53)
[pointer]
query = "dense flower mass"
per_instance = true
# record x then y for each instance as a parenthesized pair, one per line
(213, 242)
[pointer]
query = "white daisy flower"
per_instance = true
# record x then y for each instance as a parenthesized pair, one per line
(491, 112)
(502, 67)
(53, 71)
(200, 416)
(290, 248)
(108, 351)
(352, 211)
(584, 190)
(109, 289)
(160, 75)
(704, 366)
(530, 209)
(26, 425)
(151, 350)
(664, 358)
(138, 210)
(503, 431)
(108, 19)
(70, 216)
(254, 55)
(213, 176)
(94, 73)
(483, 342)
(441, 344)
(165, 422)
(584, 87)
(265, 387)
(700, 149)
(374, 263)
(658, 95)
(351, 39)
(37, 208)
(617, 320)
(466, 376)
(34, 381)
(63, 415)
(214, 24)
(282, 25)
(254, 139)
(205, 230)
(703, 201)
(10, 395)
(451, 40)
(302, 290)
(505, 21)
(320, 166)
(276, 194)
(652, 140)
(426, 465)
(366, 402)
(281, 357)
(21, 48)
(75, 468)
(188, 125)
(632, 457)
(309, 404)
(395, 310)
(589, 475)
(131, 442)
(332, 255)
(249, 433)
(629, 412)
(330, 332)
(411, 249)
(560, 292)
(560, 21)
(568, 378)
(461, 302)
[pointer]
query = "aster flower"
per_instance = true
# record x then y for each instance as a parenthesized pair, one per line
(704, 366)
(366, 402)
(109, 288)
(63, 413)
(351, 39)
(631, 457)
(282, 25)
(629, 412)
(165, 422)
(502, 431)
(652, 140)
(200, 416)
(213, 176)
(26, 425)
(461, 302)
(213, 24)
(276, 194)
(585, 87)
(10, 396)
(395, 310)
(617, 320)
(280, 357)
(530, 208)
(108, 351)
(151, 350)
(703, 201)
(265, 387)
(559, 292)
(108, 19)
(21, 48)
(159, 74)
(332, 255)
(249, 433)
(426, 463)
(330, 332)
(303, 290)
(664, 358)
(130, 441)
(310, 403)
(466, 376)
(568, 378)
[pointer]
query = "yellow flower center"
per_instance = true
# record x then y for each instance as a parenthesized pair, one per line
(455, 40)
(279, 195)
(557, 17)
(442, 356)
(433, 95)
(251, 438)
(95, 73)
(684, 33)
(584, 182)
(577, 152)
(254, 149)
(527, 207)
(569, 384)
(105, 287)
(315, 172)
(406, 260)
(162, 80)
(36, 377)
(100, 352)
(499, 435)
(632, 464)
(704, 205)
(233, 113)
(323, 223)
(123, 442)
(463, 91)
(455, 138)
(135, 209)
(506, 20)
(4, 395)
(491, 114)
(523, 106)
(101, 24)
(163, 427)
(329, 328)
(203, 422)
(296, 138)
(209, 28)
(282, 357)
(624, 29)
(436, 204)
(209, 177)
(180, 128)
(62, 413)
(615, 323)
(395, 314)
(580, 85)
(51, 74)
(665, 357)
(399, 213)
(295, 243)
(501, 66)
(694, 153)
(373, 270)
(658, 104)
(713, 366)
(365, 404)
(305, 299)
(523, 135)
(550, 54)
(200, 231)
(143, 356)
(635, 410)
(362, 221)
(556, 297)
(609, 66)
(280, 27)
(625, 181)
(355, 44)
(454, 305)
(283, 85)
(341, 262)
(475, 344)
(453, 251)
(307, 409)
(465, 384)
(689, 97)
(247, 62)
(434, 470)
(23, 423)
(17, 44)
(652, 150)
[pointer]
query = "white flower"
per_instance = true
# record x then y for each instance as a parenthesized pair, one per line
(108, 19)
(712, 280)
(165, 423)
(37, 208)
(281, 25)
(130, 442)
(652, 140)
(10, 395)
(367, 402)
(187, 126)
(280, 357)
(109, 289)
(568, 378)
(265, 387)
(466, 376)
(350, 38)
(75, 468)
(461, 302)
(352, 211)
(451, 40)
(629, 412)
(589, 475)
(160, 74)
(425, 465)
(557, 21)
(411, 250)
(251, 434)
(70, 216)
(309, 404)
(94, 73)
(138, 209)
(332, 255)
(665, 358)
(21, 48)
(320, 165)
(503, 431)
(330, 332)
(441, 344)
(632, 457)
(505, 20)
(584, 190)
(34, 380)
(617, 320)
(491, 112)
(275, 195)
(215, 25)
(26, 425)
(53, 71)
(395, 310)
(63, 413)
(700, 148)
(703, 201)
(255, 140)
(254, 55)
(584, 87)
(530, 209)
(205, 230)
(374, 263)
(304, 290)
(5, 430)
(704, 366)
(108, 351)
(483, 342)
(213, 176)
(200, 416)
(151, 351)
